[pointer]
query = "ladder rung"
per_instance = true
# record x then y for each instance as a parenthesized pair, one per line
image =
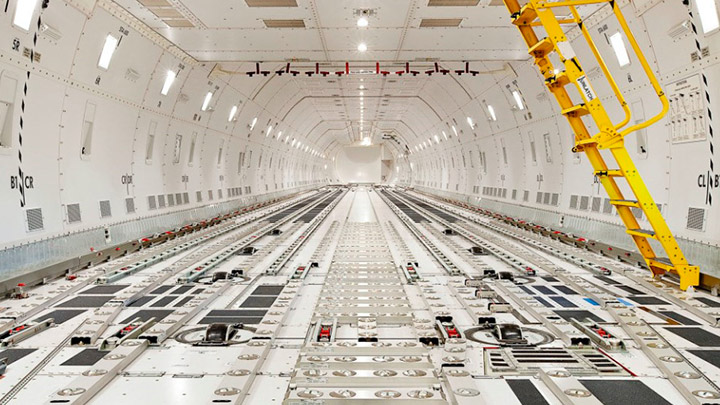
(526, 15)
(625, 203)
(589, 141)
(577, 110)
(560, 79)
(609, 173)
(661, 262)
(541, 48)
(641, 232)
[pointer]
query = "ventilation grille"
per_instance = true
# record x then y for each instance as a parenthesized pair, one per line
(514, 194)
(526, 195)
(596, 204)
(607, 207)
(73, 213)
(453, 3)
(130, 205)
(105, 211)
(538, 198)
(271, 3)
(573, 202)
(584, 202)
(696, 219)
(440, 22)
(555, 199)
(504, 193)
(178, 199)
(546, 199)
(220, 194)
(198, 196)
(161, 201)
(171, 200)
(284, 23)
(186, 198)
(34, 219)
(210, 195)
(151, 202)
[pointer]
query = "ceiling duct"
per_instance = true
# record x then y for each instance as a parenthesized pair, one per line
(440, 22)
(284, 23)
(271, 3)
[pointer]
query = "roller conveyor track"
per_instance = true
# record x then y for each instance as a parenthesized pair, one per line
(353, 301)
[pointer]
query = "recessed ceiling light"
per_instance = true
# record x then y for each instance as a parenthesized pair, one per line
(206, 102)
(362, 47)
(362, 22)
(24, 11)
(169, 79)
(111, 44)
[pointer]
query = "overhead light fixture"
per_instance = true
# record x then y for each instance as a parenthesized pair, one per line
(491, 110)
(518, 100)
(444, 136)
(362, 47)
(293, 142)
(24, 11)
(269, 130)
(708, 15)
(169, 80)
(470, 122)
(206, 102)
(233, 111)
(362, 22)
(287, 139)
(455, 130)
(106, 55)
(279, 136)
(252, 124)
(437, 139)
(618, 45)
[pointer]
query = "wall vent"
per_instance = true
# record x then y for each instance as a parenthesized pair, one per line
(696, 219)
(526, 195)
(607, 207)
(555, 199)
(271, 3)
(220, 195)
(514, 194)
(596, 204)
(210, 195)
(504, 193)
(186, 198)
(171, 200)
(453, 3)
(538, 198)
(573, 202)
(584, 202)
(34, 219)
(178, 199)
(73, 213)
(284, 23)
(637, 212)
(546, 199)
(152, 204)
(440, 22)
(161, 201)
(130, 205)
(105, 211)
(198, 196)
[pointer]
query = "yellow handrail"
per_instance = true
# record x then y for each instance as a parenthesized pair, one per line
(604, 68)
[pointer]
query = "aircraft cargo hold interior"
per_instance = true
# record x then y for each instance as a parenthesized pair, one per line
(295, 202)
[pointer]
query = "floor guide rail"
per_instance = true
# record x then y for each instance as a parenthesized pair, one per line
(362, 295)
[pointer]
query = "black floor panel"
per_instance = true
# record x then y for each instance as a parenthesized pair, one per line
(104, 289)
(164, 301)
(14, 355)
(142, 301)
(711, 356)
(182, 289)
(709, 302)
(680, 318)
(87, 357)
(61, 316)
(162, 289)
(608, 280)
(564, 302)
(183, 301)
(90, 301)
(544, 290)
(145, 314)
(579, 315)
(544, 302)
(565, 290)
(249, 320)
(614, 392)
(648, 300)
(526, 392)
(268, 290)
(697, 336)
(258, 302)
(633, 291)
(237, 312)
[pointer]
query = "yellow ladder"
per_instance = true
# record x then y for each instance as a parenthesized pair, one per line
(537, 13)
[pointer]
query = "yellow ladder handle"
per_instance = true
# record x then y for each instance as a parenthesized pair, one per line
(648, 71)
(604, 68)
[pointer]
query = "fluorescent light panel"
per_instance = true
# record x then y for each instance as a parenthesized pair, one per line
(518, 100)
(233, 111)
(206, 102)
(618, 45)
(111, 44)
(169, 80)
(491, 110)
(708, 15)
(24, 11)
